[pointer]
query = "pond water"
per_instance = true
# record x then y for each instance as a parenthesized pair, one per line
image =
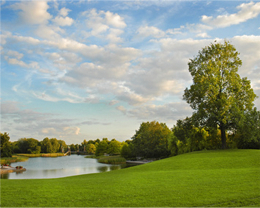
(57, 167)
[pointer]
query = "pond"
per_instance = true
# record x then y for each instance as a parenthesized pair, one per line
(57, 167)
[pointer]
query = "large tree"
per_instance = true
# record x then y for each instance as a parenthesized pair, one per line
(218, 95)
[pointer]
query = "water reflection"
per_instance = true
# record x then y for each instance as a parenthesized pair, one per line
(115, 167)
(42, 167)
(103, 169)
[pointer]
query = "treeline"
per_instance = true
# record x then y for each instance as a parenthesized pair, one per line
(151, 140)
(156, 140)
(33, 146)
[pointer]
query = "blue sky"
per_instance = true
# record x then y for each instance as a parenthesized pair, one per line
(76, 70)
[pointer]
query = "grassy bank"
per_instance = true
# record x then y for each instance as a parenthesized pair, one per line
(43, 155)
(13, 159)
(208, 178)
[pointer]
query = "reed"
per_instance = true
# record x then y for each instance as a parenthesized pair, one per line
(112, 160)
(43, 155)
(13, 159)
(91, 156)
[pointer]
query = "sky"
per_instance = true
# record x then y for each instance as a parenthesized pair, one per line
(76, 70)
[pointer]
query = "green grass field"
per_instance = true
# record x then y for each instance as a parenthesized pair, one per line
(229, 178)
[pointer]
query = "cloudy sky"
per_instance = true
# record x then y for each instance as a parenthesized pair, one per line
(78, 70)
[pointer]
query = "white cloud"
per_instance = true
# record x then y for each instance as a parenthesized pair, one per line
(114, 20)
(63, 21)
(15, 61)
(113, 102)
(14, 54)
(101, 21)
(246, 11)
(121, 108)
(33, 12)
(165, 112)
(48, 33)
(64, 11)
(114, 35)
(203, 35)
(146, 31)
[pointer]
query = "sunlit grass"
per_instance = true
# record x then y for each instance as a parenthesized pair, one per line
(203, 179)
(13, 159)
(43, 155)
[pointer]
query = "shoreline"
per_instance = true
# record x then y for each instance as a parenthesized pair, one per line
(11, 170)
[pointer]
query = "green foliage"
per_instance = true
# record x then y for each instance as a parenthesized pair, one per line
(55, 146)
(127, 150)
(248, 133)
(63, 146)
(46, 145)
(6, 148)
(73, 147)
(102, 147)
(222, 178)
(114, 147)
(33, 146)
(189, 137)
(151, 140)
(91, 148)
(218, 95)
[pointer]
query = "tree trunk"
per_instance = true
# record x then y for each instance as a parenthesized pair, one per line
(223, 136)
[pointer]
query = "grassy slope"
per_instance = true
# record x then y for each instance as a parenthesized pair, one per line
(209, 178)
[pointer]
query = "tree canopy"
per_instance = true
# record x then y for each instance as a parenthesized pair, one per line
(218, 95)
(151, 140)
(6, 150)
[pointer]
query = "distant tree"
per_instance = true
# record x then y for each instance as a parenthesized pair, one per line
(63, 145)
(33, 146)
(55, 146)
(46, 146)
(151, 140)
(114, 147)
(127, 150)
(23, 145)
(91, 142)
(6, 149)
(90, 148)
(102, 147)
(73, 147)
(218, 95)
(15, 147)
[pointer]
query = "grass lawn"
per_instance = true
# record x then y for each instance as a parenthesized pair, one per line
(207, 178)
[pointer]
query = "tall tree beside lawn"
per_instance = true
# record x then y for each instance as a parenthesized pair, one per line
(218, 95)
(151, 140)
(6, 150)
